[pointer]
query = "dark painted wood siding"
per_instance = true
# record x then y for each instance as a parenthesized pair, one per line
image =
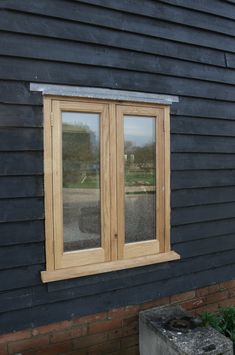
(178, 47)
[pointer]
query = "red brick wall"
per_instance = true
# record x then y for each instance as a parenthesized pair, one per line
(113, 332)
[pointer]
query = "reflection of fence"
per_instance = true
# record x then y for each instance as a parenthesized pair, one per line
(133, 189)
(140, 169)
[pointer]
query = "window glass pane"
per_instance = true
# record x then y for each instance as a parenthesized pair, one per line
(81, 180)
(140, 178)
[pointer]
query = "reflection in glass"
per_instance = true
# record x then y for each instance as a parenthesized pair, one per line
(140, 178)
(81, 180)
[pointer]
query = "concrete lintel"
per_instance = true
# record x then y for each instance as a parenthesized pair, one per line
(99, 93)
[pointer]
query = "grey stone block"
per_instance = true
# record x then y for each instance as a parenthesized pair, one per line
(170, 330)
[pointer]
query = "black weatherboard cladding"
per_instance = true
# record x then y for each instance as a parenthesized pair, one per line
(177, 47)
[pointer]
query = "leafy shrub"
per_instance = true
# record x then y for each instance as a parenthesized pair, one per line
(223, 321)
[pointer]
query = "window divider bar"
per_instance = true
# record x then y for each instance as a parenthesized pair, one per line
(113, 182)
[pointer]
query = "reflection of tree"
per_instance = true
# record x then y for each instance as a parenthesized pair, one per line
(80, 153)
(129, 147)
(140, 164)
(144, 156)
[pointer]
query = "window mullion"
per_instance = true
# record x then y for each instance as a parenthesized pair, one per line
(113, 182)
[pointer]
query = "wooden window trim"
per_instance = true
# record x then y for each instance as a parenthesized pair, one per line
(70, 273)
(132, 250)
(89, 256)
(113, 255)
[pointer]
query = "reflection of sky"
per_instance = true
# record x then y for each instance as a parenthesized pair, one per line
(82, 119)
(139, 129)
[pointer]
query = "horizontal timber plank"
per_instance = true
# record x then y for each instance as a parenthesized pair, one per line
(202, 178)
(204, 108)
(54, 28)
(202, 126)
(129, 22)
(21, 255)
(21, 163)
(21, 232)
(201, 230)
(25, 209)
(72, 74)
(217, 7)
(202, 161)
(230, 60)
(24, 139)
(81, 53)
(215, 212)
(167, 12)
(20, 277)
(18, 92)
(206, 246)
(20, 116)
(202, 144)
(18, 299)
(205, 196)
(21, 186)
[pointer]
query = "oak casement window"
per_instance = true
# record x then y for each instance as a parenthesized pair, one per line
(107, 186)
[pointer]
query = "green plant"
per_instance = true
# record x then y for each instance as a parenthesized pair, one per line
(223, 321)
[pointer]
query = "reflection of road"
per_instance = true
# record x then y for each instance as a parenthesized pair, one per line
(139, 216)
(82, 216)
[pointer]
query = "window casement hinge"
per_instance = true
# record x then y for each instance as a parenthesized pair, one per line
(51, 119)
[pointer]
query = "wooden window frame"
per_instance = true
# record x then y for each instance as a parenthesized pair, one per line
(138, 249)
(87, 256)
(113, 253)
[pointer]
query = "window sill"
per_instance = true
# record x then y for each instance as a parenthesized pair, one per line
(70, 273)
